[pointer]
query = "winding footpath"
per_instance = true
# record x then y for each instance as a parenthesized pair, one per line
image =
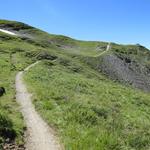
(107, 49)
(39, 135)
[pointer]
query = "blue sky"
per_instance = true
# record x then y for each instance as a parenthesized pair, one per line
(121, 21)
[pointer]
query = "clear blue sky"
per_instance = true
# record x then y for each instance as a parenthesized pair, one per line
(122, 21)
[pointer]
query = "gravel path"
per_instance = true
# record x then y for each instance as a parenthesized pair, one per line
(39, 135)
(107, 49)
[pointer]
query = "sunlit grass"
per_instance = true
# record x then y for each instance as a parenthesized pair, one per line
(88, 111)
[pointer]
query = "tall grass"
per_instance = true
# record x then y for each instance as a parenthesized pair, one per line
(11, 121)
(89, 112)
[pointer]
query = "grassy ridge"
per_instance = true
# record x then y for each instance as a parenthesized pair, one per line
(89, 111)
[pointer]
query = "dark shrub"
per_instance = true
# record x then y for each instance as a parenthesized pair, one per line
(6, 127)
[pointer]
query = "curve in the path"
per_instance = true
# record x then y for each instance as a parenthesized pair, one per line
(39, 135)
(107, 49)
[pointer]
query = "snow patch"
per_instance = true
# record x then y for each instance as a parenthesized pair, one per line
(8, 32)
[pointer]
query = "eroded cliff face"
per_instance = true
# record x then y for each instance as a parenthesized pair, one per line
(128, 64)
(126, 70)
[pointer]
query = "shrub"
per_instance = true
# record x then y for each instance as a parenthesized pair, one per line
(6, 127)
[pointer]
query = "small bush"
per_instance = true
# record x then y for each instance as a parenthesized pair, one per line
(6, 127)
(46, 55)
(101, 112)
(82, 115)
(64, 62)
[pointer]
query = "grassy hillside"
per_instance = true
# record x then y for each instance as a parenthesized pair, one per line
(11, 124)
(128, 64)
(88, 110)
(72, 91)
(13, 58)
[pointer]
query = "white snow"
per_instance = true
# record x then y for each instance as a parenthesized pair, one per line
(8, 32)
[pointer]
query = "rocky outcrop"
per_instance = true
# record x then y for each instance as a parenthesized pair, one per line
(126, 70)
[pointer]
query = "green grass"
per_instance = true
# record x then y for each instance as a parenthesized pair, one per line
(13, 57)
(135, 52)
(15, 25)
(11, 121)
(89, 111)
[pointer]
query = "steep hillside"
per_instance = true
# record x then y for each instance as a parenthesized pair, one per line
(128, 64)
(83, 89)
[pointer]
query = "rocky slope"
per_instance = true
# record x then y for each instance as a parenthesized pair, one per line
(127, 64)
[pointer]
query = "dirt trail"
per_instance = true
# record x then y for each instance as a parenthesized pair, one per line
(107, 49)
(39, 135)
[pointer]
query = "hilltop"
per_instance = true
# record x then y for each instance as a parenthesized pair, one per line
(94, 96)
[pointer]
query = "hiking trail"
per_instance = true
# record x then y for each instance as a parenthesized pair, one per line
(39, 135)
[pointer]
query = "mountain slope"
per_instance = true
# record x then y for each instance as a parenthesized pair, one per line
(127, 64)
(76, 88)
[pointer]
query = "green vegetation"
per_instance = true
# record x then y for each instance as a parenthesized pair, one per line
(13, 58)
(11, 123)
(88, 110)
(136, 52)
(15, 25)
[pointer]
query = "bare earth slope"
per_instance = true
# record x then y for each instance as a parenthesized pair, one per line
(40, 136)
